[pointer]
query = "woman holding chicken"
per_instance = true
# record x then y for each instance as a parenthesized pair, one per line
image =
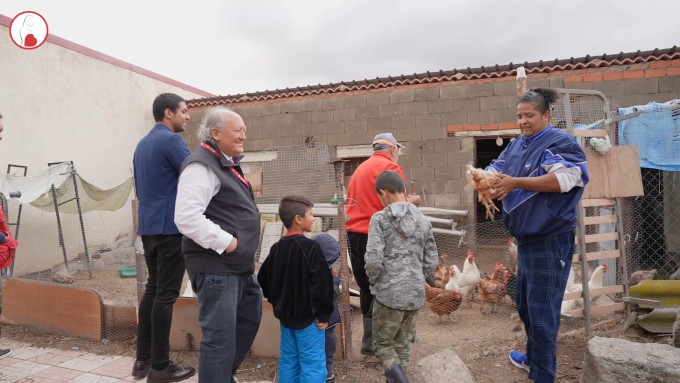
(541, 177)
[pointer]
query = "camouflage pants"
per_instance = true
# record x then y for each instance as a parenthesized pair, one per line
(393, 332)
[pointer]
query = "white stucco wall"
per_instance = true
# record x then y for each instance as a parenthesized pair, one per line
(61, 105)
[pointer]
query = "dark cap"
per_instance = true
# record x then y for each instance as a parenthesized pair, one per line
(329, 247)
(385, 140)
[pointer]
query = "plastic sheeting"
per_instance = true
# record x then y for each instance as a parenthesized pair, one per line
(36, 191)
(656, 133)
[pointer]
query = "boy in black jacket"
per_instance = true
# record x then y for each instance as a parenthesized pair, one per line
(297, 282)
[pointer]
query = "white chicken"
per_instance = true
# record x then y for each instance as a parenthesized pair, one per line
(469, 277)
(601, 145)
(452, 284)
(596, 281)
(570, 304)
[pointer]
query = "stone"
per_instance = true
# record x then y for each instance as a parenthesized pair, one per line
(444, 366)
(611, 360)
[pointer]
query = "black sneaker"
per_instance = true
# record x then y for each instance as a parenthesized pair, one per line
(4, 352)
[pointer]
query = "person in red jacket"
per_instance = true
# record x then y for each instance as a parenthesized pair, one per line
(362, 202)
(8, 244)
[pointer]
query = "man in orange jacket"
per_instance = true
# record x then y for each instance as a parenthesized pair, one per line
(362, 203)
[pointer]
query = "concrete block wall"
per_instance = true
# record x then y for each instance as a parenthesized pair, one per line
(436, 122)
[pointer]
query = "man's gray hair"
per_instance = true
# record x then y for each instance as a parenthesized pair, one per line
(214, 118)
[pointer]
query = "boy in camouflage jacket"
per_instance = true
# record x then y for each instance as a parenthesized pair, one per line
(400, 252)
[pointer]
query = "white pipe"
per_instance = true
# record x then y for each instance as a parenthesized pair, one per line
(434, 210)
(460, 233)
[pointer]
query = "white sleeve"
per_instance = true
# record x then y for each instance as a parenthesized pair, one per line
(566, 177)
(197, 186)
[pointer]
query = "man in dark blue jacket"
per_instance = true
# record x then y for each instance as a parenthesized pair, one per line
(157, 162)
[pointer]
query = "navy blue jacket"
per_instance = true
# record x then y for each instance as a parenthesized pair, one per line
(530, 215)
(157, 162)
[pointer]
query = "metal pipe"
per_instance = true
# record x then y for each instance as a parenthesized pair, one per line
(460, 233)
(434, 210)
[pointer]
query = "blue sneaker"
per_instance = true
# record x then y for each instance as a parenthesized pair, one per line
(519, 360)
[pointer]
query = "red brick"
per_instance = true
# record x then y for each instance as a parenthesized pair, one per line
(589, 77)
(659, 64)
(454, 128)
(675, 62)
(612, 76)
(507, 125)
(673, 72)
(634, 74)
(651, 73)
(490, 127)
(472, 127)
(638, 66)
(573, 78)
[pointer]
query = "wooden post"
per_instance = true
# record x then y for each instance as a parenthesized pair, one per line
(345, 315)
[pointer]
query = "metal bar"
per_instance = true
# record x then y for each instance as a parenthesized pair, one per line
(566, 100)
(651, 302)
(622, 248)
(584, 268)
(67, 201)
(445, 221)
(612, 120)
(346, 316)
(80, 215)
(433, 210)
(460, 233)
(61, 235)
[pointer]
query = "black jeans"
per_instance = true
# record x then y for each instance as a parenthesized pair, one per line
(165, 263)
(357, 250)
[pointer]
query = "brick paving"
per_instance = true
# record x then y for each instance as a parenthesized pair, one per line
(47, 365)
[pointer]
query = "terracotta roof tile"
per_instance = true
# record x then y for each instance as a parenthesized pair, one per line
(496, 71)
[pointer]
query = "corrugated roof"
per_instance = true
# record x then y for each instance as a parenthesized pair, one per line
(496, 71)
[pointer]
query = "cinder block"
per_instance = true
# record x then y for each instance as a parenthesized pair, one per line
(322, 116)
(382, 124)
(247, 146)
(630, 100)
(390, 110)
(410, 160)
(355, 101)
(448, 200)
(356, 126)
(493, 102)
(669, 84)
(434, 159)
(310, 105)
(454, 118)
(667, 96)
(419, 107)
(461, 158)
(446, 172)
(449, 145)
(481, 117)
(506, 115)
(366, 112)
(334, 127)
(434, 132)
(428, 120)
(401, 96)
(505, 88)
(269, 109)
(291, 131)
(642, 86)
(422, 147)
(611, 88)
(556, 82)
(277, 120)
(579, 85)
(409, 137)
(466, 105)
(467, 144)
(431, 187)
(377, 98)
(251, 111)
(403, 122)
(290, 107)
(271, 131)
(344, 115)
(426, 94)
(538, 83)
(301, 117)
(360, 138)
(263, 144)
(314, 130)
(337, 139)
(440, 106)
(333, 103)
(423, 173)
(479, 90)
(453, 92)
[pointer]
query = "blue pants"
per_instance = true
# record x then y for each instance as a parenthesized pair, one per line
(229, 312)
(303, 355)
(541, 279)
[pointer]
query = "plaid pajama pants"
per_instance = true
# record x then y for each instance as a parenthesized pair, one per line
(541, 279)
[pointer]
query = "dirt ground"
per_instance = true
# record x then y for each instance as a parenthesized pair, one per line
(483, 342)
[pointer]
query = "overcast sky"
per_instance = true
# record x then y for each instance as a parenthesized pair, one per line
(229, 47)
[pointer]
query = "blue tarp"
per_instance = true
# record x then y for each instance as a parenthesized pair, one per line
(656, 133)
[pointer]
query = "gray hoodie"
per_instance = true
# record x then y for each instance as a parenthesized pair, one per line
(400, 252)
